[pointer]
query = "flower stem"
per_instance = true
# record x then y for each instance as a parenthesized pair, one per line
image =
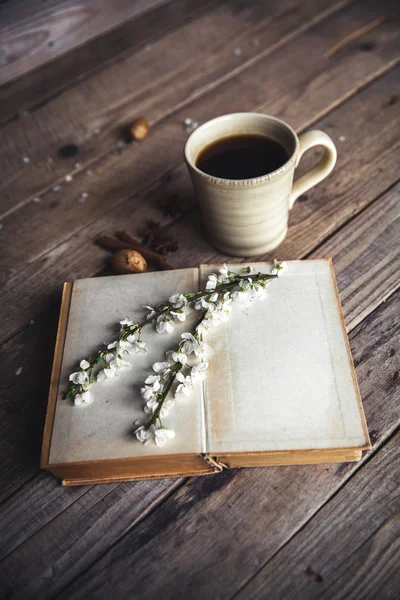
(164, 396)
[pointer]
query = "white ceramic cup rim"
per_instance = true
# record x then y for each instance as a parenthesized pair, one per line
(190, 159)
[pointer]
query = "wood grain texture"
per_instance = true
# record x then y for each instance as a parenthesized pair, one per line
(92, 517)
(367, 165)
(33, 33)
(47, 81)
(247, 528)
(206, 538)
(350, 548)
(24, 426)
(94, 113)
(366, 257)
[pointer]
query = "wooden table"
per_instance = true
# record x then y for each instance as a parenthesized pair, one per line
(78, 73)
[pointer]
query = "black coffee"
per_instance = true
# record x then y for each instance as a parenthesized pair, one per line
(242, 157)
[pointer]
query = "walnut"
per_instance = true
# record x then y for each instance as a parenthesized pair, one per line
(128, 261)
(139, 129)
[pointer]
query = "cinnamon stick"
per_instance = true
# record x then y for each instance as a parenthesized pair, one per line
(113, 244)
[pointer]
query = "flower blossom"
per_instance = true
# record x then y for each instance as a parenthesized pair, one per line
(185, 385)
(177, 357)
(79, 378)
(126, 322)
(164, 324)
(143, 434)
(178, 300)
(198, 372)
(212, 282)
(83, 398)
(278, 267)
(162, 435)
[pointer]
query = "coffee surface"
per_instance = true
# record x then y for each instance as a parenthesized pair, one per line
(243, 156)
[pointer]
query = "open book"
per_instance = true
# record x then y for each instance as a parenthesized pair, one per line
(281, 387)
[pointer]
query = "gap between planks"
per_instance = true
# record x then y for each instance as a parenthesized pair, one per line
(94, 69)
(367, 459)
(357, 468)
(322, 16)
(322, 114)
(174, 488)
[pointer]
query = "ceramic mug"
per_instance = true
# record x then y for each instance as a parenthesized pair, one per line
(249, 217)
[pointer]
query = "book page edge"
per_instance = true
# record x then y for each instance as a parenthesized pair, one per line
(367, 445)
(55, 373)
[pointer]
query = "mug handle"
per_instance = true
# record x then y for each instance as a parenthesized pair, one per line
(321, 170)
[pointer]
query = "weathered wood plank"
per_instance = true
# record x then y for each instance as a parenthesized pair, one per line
(362, 239)
(33, 33)
(367, 165)
(93, 114)
(350, 549)
(366, 257)
(42, 500)
(47, 81)
(161, 554)
(362, 246)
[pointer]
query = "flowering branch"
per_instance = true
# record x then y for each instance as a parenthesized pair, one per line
(215, 303)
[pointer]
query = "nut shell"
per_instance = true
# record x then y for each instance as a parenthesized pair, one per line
(139, 129)
(128, 261)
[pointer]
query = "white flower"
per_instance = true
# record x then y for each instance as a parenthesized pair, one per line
(185, 385)
(164, 326)
(224, 274)
(112, 346)
(84, 364)
(139, 347)
(198, 372)
(181, 316)
(154, 382)
(118, 363)
(203, 303)
(225, 308)
(177, 300)
(190, 344)
(151, 405)
(159, 367)
(166, 407)
(278, 267)
(212, 282)
(180, 313)
(204, 324)
(79, 378)
(147, 392)
(124, 346)
(126, 321)
(246, 284)
(240, 296)
(106, 373)
(132, 337)
(151, 309)
(177, 357)
(203, 350)
(84, 398)
(132, 344)
(143, 434)
(162, 435)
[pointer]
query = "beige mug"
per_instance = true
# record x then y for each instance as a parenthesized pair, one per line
(249, 217)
